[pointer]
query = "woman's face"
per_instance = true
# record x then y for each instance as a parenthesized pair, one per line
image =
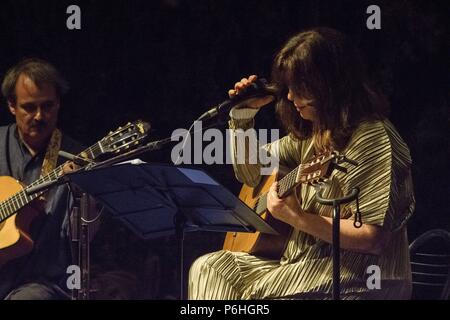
(303, 105)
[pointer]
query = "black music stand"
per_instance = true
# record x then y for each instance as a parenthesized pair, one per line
(156, 200)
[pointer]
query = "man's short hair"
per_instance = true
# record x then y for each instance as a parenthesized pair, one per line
(38, 70)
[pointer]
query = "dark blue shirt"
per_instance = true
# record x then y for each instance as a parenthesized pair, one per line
(51, 254)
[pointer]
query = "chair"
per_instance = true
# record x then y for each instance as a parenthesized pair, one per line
(430, 265)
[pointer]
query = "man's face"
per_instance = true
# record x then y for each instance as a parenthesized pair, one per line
(36, 111)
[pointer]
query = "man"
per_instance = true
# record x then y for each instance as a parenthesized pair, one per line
(28, 149)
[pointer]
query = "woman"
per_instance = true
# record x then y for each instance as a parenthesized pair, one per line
(325, 103)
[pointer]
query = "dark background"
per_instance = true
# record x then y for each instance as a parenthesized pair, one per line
(168, 61)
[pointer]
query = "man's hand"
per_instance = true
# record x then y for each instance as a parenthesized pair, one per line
(69, 167)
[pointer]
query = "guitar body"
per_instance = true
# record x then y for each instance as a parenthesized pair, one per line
(257, 243)
(314, 172)
(15, 240)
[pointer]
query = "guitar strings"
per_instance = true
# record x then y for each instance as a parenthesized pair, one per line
(10, 203)
(288, 180)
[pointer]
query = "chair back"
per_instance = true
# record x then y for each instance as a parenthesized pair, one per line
(430, 265)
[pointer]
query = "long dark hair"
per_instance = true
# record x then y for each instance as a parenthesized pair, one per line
(324, 65)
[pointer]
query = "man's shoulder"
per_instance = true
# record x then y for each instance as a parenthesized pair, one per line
(4, 129)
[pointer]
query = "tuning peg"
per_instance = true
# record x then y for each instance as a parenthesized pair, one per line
(342, 158)
(314, 183)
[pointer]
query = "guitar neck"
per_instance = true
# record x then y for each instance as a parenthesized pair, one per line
(315, 171)
(123, 138)
(19, 200)
(285, 185)
(288, 182)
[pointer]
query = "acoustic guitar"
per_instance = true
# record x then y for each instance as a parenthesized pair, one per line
(17, 208)
(314, 172)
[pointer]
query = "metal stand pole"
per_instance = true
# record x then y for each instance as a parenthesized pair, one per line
(336, 251)
(84, 251)
(179, 230)
(336, 203)
(75, 240)
(80, 244)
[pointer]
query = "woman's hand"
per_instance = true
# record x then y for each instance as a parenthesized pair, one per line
(369, 239)
(255, 103)
(286, 209)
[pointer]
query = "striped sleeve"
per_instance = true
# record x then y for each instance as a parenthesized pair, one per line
(246, 156)
(383, 175)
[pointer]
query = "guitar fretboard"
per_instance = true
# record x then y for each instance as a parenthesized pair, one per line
(284, 185)
(287, 182)
(17, 201)
(320, 167)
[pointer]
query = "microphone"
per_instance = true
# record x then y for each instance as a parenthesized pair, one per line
(257, 89)
(79, 161)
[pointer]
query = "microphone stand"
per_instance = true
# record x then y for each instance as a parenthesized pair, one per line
(79, 226)
(151, 146)
(45, 185)
(80, 237)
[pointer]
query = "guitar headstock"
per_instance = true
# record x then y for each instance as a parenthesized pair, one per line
(319, 169)
(124, 138)
(315, 172)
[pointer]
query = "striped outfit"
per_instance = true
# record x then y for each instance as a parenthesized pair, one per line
(305, 270)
